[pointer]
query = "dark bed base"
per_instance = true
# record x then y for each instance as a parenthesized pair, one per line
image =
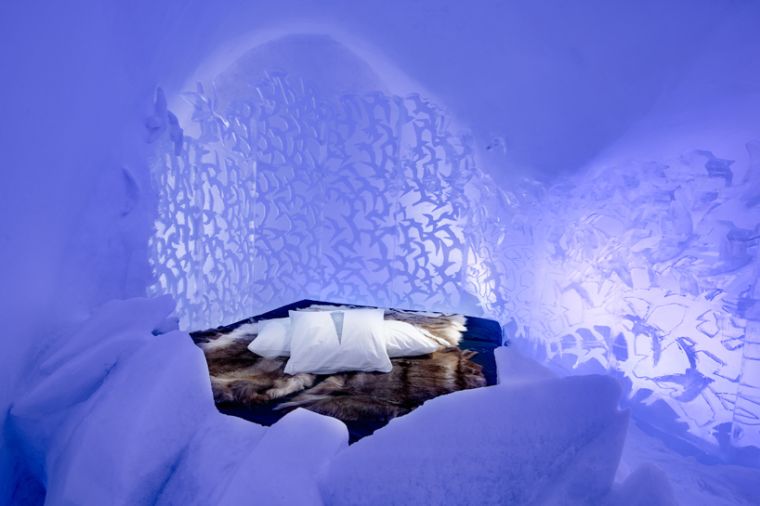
(482, 336)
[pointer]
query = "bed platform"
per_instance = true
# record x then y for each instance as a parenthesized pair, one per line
(364, 401)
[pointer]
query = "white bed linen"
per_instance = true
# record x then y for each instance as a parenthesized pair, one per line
(319, 346)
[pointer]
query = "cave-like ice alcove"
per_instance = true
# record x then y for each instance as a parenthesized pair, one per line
(587, 177)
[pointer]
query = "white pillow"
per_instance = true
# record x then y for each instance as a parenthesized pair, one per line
(273, 339)
(403, 339)
(322, 344)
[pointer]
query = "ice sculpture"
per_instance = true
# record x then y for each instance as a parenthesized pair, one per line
(643, 270)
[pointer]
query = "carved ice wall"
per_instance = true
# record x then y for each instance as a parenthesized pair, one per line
(645, 271)
(355, 198)
(648, 270)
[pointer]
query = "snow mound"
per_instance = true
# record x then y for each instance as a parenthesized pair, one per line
(283, 468)
(644, 487)
(526, 445)
(120, 411)
(533, 439)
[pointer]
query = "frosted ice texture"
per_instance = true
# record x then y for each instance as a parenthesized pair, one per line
(355, 198)
(646, 270)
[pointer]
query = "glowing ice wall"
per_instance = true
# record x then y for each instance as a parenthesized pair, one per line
(647, 270)
(644, 270)
(357, 198)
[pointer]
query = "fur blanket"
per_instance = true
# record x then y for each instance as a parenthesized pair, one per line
(240, 377)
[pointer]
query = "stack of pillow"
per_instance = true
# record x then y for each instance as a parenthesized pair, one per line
(326, 342)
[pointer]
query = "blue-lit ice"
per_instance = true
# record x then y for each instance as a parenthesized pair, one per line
(639, 268)
(532, 439)
(119, 412)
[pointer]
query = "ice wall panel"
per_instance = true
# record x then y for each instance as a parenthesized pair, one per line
(294, 194)
(288, 187)
(644, 269)
(203, 244)
(640, 269)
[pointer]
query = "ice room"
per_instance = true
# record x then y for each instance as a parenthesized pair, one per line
(380, 252)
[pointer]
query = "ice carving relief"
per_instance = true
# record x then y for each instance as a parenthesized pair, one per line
(646, 270)
(357, 198)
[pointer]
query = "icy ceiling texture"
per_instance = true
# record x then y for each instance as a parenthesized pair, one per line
(646, 270)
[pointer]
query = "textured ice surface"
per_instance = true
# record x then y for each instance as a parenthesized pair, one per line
(283, 468)
(211, 459)
(533, 440)
(693, 479)
(127, 438)
(70, 370)
(117, 412)
(647, 485)
(353, 198)
(643, 269)
(514, 369)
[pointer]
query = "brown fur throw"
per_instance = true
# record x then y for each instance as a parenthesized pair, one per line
(241, 377)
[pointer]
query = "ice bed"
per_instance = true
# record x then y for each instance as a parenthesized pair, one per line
(365, 401)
